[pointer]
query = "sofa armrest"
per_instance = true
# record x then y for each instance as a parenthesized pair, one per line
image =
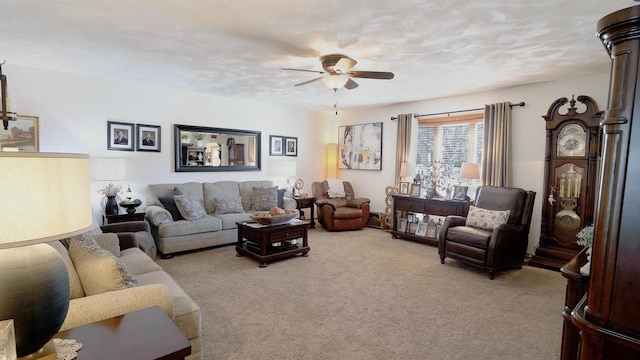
(358, 202)
(157, 215)
(289, 203)
(89, 309)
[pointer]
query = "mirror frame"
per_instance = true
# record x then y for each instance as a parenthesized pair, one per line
(177, 131)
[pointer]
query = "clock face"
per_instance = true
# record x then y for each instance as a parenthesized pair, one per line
(571, 141)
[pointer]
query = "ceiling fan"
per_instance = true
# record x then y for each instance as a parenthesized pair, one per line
(337, 72)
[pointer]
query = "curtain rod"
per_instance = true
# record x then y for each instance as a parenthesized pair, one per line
(459, 111)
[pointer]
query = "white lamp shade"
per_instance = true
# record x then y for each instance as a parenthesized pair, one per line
(470, 171)
(404, 169)
(43, 197)
(284, 168)
(109, 169)
(335, 81)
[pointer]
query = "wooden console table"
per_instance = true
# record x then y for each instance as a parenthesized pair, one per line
(435, 206)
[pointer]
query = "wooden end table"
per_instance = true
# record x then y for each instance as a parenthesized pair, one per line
(306, 202)
(117, 218)
(143, 334)
(256, 241)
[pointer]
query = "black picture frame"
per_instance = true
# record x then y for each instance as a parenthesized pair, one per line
(415, 190)
(459, 192)
(291, 146)
(404, 188)
(276, 145)
(120, 136)
(148, 137)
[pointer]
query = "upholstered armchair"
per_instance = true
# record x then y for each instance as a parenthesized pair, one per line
(494, 235)
(340, 211)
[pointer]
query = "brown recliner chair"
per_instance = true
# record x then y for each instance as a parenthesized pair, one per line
(503, 247)
(338, 214)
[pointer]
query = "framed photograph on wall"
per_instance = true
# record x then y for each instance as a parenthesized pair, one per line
(415, 190)
(276, 145)
(148, 137)
(291, 146)
(404, 188)
(360, 147)
(120, 136)
(460, 192)
(23, 134)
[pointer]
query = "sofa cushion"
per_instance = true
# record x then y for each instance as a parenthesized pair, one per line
(246, 191)
(472, 236)
(219, 190)
(486, 219)
(183, 227)
(228, 205)
(98, 269)
(74, 280)
(190, 208)
(229, 220)
(264, 198)
(168, 202)
(138, 261)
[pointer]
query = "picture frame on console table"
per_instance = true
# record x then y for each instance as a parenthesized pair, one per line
(460, 193)
(148, 137)
(23, 134)
(402, 225)
(422, 229)
(404, 188)
(415, 190)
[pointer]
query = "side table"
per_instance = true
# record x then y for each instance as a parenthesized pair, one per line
(116, 218)
(143, 334)
(306, 202)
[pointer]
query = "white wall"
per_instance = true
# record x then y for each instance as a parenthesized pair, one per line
(528, 133)
(74, 111)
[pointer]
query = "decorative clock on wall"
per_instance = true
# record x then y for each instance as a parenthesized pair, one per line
(572, 147)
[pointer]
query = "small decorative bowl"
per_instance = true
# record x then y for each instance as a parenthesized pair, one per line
(271, 220)
(130, 205)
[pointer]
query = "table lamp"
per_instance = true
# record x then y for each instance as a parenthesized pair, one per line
(470, 171)
(44, 197)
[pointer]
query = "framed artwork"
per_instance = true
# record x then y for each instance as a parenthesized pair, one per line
(120, 136)
(291, 146)
(402, 225)
(404, 188)
(360, 147)
(429, 193)
(23, 134)
(421, 230)
(460, 192)
(276, 145)
(415, 190)
(432, 230)
(148, 137)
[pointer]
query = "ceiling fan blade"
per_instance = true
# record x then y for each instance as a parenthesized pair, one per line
(351, 85)
(305, 70)
(371, 74)
(345, 64)
(309, 81)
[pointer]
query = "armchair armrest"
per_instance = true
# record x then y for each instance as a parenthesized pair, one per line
(130, 226)
(89, 309)
(507, 246)
(449, 221)
(358, 202)
(334, 203)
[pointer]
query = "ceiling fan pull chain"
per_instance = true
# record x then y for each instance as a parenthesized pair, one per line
(335, 100)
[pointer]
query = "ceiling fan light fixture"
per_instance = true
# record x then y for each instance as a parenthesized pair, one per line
(336, 81)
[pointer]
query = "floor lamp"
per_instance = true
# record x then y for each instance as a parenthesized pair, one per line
(43, 197)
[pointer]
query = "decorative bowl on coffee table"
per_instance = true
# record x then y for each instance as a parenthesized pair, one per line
(266, 219)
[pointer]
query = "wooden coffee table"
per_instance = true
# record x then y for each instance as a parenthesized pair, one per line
(143, 334)
(257, 241)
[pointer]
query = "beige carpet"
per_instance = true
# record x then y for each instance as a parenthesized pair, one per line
(363, 295)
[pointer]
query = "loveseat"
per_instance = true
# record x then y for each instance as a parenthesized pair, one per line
(100, 291)
(217, 206)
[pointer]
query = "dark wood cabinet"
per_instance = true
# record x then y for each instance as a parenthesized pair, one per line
(608, 316)
(575, 291)
(435, 206)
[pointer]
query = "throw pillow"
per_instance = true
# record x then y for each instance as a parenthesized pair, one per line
(190, 208)
(169, 203)
(264, 198)
(98, 269)
(281, 197)
(486, 219)
(228, 206)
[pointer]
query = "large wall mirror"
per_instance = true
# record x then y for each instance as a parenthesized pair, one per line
(200, 148)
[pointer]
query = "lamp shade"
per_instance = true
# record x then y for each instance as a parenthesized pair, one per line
(470, 171)
(109, 169)
(335, 81)
(43, 197)
(284, 168)
(404, 169)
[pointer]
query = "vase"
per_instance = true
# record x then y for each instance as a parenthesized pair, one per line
(111, 207)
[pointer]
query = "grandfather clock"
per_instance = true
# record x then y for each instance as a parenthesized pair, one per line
(572, 147)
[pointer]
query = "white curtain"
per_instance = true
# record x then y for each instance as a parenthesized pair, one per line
(497, 142)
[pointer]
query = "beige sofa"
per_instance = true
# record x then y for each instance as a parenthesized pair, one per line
(173, 236)
(154, 288)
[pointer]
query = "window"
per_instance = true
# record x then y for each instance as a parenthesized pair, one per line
(451, 140)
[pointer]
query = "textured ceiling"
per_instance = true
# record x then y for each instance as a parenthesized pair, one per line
(435, 48)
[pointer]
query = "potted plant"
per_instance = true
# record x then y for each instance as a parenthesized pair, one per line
(585, 238)
(198, 137)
